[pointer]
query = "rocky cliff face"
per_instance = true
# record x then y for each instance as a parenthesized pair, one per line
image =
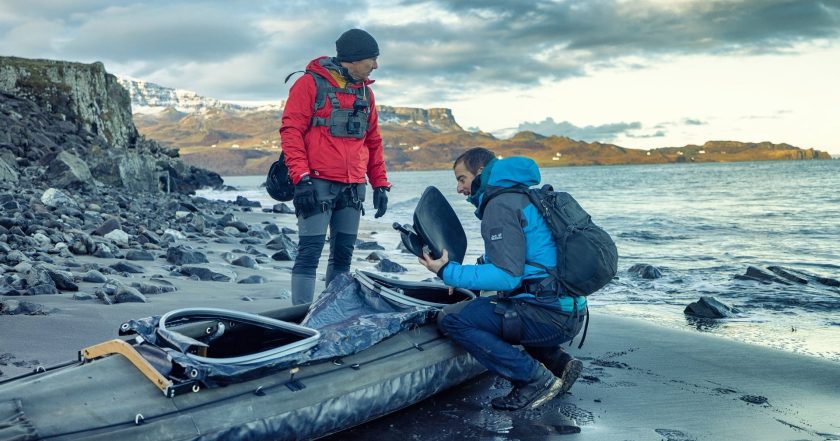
(436, 119)
(70, 125)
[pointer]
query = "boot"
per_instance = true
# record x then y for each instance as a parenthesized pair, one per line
(531, 394)
(560, 363)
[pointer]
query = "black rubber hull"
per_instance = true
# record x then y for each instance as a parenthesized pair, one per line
(109, 399)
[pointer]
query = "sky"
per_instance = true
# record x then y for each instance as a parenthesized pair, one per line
(636, 73)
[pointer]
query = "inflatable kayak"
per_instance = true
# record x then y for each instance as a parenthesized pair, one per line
(366, 347)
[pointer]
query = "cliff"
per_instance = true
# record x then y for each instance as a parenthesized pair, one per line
(71, 125)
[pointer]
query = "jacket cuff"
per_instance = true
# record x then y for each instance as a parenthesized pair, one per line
(439, 272)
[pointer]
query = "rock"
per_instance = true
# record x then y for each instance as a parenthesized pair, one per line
(282, 243)
(287, 230)
(372, 245)
(204, 274)
(63, 280)
(710, 307)
(108, 226)
(125, 267)
(828, 282)
(103, 251)
(284, 256)
(18, 307)
(247, 299)
(139, 255)
(82, 296)
(244, 202)
(255, 279)
(119, 237)
(787, 275)
(240, 226)
(759, 275)
(245, 261)
(645, 271)
(55, 198)
(376, 256)
(94, 276)
(184, 255)
(42, 290)
(152, 288)
(69, 171)
(128, 294)
(272, 229)
(388, 266)
(8, 173)
(282, 208)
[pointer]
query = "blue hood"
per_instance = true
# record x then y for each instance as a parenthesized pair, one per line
(505, 173)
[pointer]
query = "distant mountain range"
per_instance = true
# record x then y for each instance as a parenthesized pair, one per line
(237, 140)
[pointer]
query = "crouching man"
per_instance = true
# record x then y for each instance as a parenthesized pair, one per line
(531, 308)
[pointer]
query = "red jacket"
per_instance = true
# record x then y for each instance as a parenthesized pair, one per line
(314, 151)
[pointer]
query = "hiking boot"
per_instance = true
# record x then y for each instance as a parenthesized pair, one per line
(543, 387)
(562, 365)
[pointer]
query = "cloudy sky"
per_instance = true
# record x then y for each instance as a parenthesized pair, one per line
(636, 73)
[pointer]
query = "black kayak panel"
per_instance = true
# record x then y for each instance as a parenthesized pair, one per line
(436, 228)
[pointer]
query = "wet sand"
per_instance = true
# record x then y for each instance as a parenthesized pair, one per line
(641, 381)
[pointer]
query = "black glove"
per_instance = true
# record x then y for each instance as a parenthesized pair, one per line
(380, 200)
(305, 201)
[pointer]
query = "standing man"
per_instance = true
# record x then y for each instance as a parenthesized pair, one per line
(330, 137)
(532, 308)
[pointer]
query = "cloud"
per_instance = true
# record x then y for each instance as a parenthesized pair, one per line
(604, 132)
(431, 51)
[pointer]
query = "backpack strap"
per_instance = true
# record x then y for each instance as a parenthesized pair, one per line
(325, 90)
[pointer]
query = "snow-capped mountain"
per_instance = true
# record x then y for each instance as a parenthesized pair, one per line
(149, 97)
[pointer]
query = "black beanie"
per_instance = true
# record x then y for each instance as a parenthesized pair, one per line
(355, 45)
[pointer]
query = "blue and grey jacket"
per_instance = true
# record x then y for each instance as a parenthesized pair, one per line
(514, 233)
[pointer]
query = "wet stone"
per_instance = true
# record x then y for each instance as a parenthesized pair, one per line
(371, 245)
(388, 266)
(19, 307)
(245, 261)
(139, 255)
(152, 288)
(645, 271)
(376, 256)
(94, 276)
(128, 294)
(710, 307)
(125, 267)
(282, 208)
(204, 274)
(255, 279)
(107, 227)
(82, 296)
(183, 255)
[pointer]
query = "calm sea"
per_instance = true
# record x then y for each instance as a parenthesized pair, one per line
(700, 224)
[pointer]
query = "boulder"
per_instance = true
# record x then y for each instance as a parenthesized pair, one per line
(68, 171)
(710, 307)
(645, 271)
(108, 226)
(245, 261)
(255, 279)
(371, 245)
(8, 173)
(388, 266)
(205, 274)
(139, 255)
(184, 255)
(55, 198)
(128, 294)
(282, 208)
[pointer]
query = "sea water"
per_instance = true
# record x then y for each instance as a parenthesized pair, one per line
(700, 224)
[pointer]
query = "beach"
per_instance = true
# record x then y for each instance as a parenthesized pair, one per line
(640, 381)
